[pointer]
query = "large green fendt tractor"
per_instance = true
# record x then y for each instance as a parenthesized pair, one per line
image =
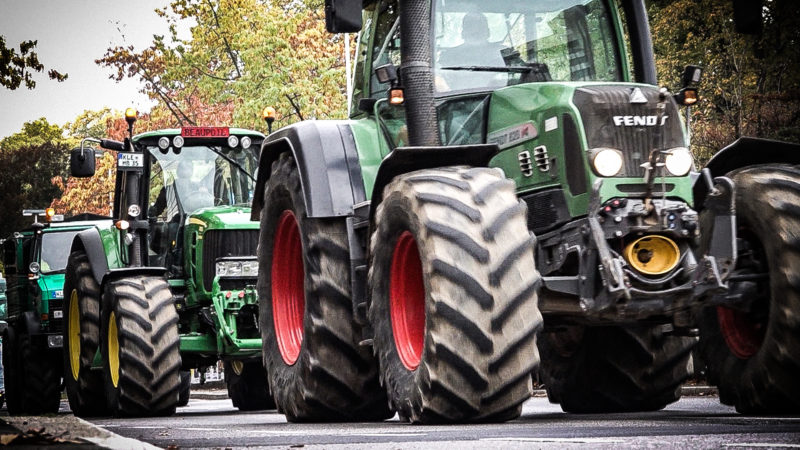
(34, 260)
(497, 152)
(170, 286)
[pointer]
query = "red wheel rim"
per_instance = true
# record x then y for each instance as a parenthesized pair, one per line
(407, 301)
(742, 335)
(288, 292)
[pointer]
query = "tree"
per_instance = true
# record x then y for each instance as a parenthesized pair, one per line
(33, 134)
(33, 167)
(751, 85)
(15, 68)
(242, 55)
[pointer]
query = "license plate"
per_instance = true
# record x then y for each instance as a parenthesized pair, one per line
(130, 161)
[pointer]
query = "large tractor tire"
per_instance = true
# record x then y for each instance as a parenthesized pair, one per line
(753, 353)
(316, 368)
(11, 370)
(140, 347)
(613, 369)
(84, 384)
(39, 379)
(453, 296)
(185, 389)
(247, 385)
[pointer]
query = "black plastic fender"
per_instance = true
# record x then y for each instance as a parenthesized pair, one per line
(327, 159)
(406, 159)
(743, 152)
(29, 321)
(89, 241)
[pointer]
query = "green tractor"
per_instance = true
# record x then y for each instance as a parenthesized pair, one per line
(510, 169)
(170, 286)
(34, 260)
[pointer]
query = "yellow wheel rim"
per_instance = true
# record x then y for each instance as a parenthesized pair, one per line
(237, 367)
(74, 335)
(653, 254)
(113, 350)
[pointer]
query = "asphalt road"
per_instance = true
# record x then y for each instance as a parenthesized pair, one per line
(693, 422)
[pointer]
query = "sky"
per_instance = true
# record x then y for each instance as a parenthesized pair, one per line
(71, 34)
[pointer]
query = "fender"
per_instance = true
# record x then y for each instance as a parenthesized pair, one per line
(89, 241)
(406, 159)
(327, 159)
(31, 323)
(746, 151)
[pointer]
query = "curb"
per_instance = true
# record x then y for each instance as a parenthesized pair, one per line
(66, 426)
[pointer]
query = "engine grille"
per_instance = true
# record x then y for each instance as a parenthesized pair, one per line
(599, 105)
(222, 243)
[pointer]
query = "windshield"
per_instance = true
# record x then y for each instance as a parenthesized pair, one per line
(55, 250)
(486, 45)
(200, 177)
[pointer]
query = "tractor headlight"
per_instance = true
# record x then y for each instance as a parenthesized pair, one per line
(237, 268)
(607, 162)
(679, 161)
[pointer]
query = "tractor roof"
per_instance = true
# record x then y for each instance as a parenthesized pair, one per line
(176, 131)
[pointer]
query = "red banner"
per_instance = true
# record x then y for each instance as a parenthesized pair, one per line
(204, 132)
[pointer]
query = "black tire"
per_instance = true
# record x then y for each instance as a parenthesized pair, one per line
(11, 370)
(754, 356)
(142, 377)
(84, 384)
(185, 389)
(613, 369)
(247, 385)
(332, 378)
(39, 379)
(463, 294)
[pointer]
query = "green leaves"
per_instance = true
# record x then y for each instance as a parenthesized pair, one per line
(16, 68)
(241, 56)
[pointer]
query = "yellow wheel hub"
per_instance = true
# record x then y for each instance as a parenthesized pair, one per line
(653, 255)
(113, 349)
(74, 335)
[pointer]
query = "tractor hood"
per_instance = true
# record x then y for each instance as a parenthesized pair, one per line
(550, 132)
(213, 233)
(222, 217)
(52, 286)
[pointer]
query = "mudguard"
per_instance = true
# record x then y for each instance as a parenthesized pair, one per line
(746, 151)
(327, 159)
(406, 159)
(89, 241)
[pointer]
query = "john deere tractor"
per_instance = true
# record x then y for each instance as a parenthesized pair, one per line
(170, 286)
(33, 261)
(505, 162)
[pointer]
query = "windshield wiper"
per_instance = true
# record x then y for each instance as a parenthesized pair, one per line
(532, 71)
(235, 164)
(506, 69)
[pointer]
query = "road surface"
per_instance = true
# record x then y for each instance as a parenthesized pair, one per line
(693, 422)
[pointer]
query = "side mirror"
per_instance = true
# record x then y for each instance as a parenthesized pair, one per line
(81, 162)
(343, 16)
(691, 76)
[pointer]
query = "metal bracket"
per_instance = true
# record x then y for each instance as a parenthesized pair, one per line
(721, 202)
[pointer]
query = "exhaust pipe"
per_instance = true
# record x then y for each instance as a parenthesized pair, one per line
(417, 72)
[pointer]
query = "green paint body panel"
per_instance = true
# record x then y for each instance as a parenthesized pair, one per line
(538, 102)
(41, 293)
(515, 105)
(224, 305)
(177, 131)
